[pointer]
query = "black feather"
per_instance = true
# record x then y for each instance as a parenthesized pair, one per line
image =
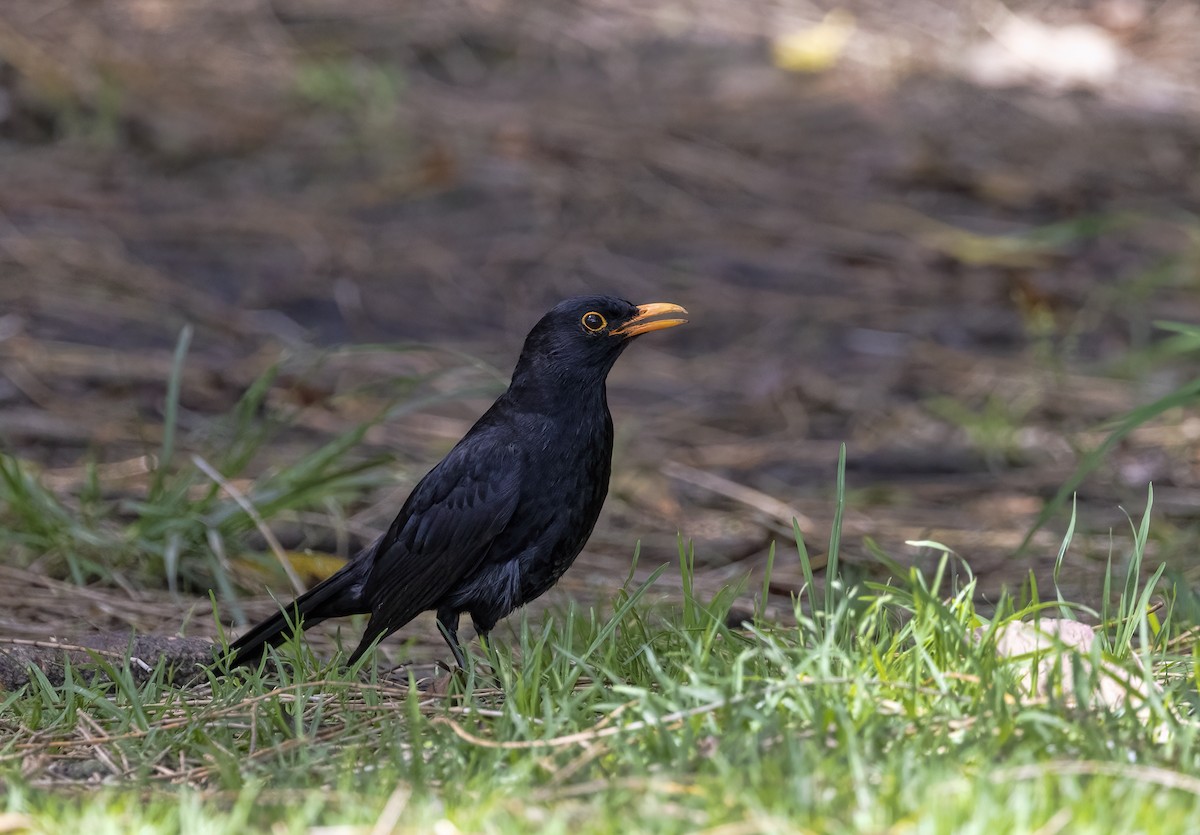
(505, 513)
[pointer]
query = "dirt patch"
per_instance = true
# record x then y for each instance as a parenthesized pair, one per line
(98, 656)
(957, 280)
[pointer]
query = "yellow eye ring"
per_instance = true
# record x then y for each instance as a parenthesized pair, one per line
(594, 322)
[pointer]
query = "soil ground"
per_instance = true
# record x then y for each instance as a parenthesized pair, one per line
(888, 234)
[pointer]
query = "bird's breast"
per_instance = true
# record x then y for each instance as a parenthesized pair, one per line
(567, 475)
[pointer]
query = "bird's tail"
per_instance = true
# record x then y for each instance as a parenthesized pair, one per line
(333, 597)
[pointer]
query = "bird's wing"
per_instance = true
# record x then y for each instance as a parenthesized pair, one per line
(444, 530)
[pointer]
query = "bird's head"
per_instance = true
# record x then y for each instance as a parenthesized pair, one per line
(581, 338)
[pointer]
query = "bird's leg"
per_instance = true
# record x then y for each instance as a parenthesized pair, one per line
(448, 622)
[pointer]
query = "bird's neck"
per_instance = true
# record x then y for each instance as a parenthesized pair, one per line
(550, 393)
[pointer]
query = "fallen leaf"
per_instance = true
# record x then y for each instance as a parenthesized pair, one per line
(815, 48)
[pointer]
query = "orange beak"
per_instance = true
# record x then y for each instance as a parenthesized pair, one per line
(646, 320)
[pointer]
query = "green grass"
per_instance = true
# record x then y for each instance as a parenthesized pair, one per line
(178, 532)
(877, 707)
(882, 708)
(174, 533)
(993, 427)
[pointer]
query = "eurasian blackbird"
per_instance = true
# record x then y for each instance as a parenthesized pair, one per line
(505, 513)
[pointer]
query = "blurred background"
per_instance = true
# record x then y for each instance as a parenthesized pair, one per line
(961, 238)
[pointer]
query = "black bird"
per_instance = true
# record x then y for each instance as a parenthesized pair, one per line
(505, 513)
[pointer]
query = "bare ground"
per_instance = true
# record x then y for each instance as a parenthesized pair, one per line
(957, 279)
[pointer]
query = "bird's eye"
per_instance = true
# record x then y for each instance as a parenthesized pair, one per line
(594, 321)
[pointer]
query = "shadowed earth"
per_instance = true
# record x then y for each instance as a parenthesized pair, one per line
(955, 277)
